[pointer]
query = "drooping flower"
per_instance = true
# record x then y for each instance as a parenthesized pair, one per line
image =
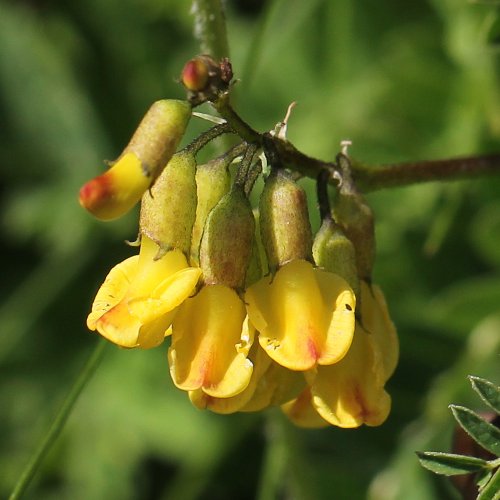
(137, 301)
(210, 344)
(305, 315)
(270, 385)
(351, 392)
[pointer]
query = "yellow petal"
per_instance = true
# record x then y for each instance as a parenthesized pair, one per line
(152, 272)
(206, 348)
(168, 295)
(340, 304)
(376, 320)
(302, 413)
(112, 194)
(113, 290)
(277, 386)
(305, 316)
(349, 393)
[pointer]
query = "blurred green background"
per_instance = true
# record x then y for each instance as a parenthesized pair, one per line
(403, 80)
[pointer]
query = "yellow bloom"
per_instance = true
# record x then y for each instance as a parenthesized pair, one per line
(305, 315)
(210, 344)
(136, 303)
(351, 392)
(270, 385)
(302, 412)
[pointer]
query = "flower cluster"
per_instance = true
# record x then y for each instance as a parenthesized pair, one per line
(259, 312)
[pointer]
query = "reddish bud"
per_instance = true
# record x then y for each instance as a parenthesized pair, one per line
(195, 74)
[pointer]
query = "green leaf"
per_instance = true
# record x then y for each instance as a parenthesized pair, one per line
(450, 464)
(485, 434)
(492, 489)
(489, 392)
(483, 478)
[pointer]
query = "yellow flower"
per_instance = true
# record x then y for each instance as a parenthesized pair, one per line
(136, 303)
(210, 344)
(305, 315)
(351, 392)
(269, 385)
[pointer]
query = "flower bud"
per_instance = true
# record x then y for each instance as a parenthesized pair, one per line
(213, 181)
(112, 194)
(195, 74)
(284, 220)
(168, 209)
(334, 252)
(226, 244)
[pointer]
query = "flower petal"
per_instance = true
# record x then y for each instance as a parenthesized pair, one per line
(376, 320)
(305, 315)
(349, 393)
(302, 413)
(113, 290)
(206, 348)
(168, 295)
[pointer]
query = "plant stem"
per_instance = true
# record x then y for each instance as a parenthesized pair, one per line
(202, 140)
(210, 27)
(59, 420)
(239, 126)
(403, 174)
(366, 178)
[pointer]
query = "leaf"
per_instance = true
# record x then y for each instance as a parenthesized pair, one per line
(492, 489)
(489, 392)
(485, 434)
(450, 464)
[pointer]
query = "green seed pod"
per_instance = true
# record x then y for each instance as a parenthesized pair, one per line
(159, 133)
(168, 209)
(284, 220)
(333, 251)
(213, 181)
(226, 244)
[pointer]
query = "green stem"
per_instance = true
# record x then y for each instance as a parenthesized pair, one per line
(59, 421)
(239, 126)
(403, 174)
(202, 140)
(366, 178)
(210, 27)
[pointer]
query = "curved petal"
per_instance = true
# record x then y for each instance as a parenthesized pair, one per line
(206, 351)
(168, 295)
(302, 413)
(305, 316)
(113, 290)
(349, 393)
(376, 320)
(118, 326)
(340, 304)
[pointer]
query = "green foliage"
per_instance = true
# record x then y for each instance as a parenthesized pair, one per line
(481, 431)
(403, 80)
